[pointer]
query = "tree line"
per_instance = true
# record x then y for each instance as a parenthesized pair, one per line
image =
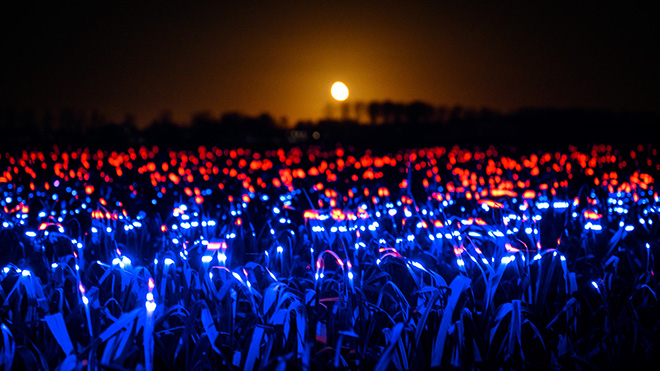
(374, 123)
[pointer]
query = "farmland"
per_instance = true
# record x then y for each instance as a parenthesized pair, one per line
(313, 258)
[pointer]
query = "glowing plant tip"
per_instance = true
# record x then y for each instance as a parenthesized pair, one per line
(151, 283)
(216, 245)
(207, 258)
(168, 261)
(150, 296)
(592, 215)
(280, 249)
(594, 284)
(222, 258)
(417, 265)
(510, 248)
(81, 288)
(85, 300)
(150, 305)
(25, 273)
(350, 275)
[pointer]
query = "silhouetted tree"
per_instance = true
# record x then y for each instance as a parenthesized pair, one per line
(388, 112)
(400, 113)
(441, 115)
(329, 111)
(345, 110)
(360, 109)
(375, 112)
(456, 114)
(419, 112)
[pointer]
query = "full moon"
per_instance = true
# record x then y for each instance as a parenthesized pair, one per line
(339, 91)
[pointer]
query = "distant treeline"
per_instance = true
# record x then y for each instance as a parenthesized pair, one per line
(377, 124)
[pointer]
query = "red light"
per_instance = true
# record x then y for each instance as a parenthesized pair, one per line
(311, 214)
(510, 248)
(592, 215)
(491, 203)
(217, 245)
(502, 192)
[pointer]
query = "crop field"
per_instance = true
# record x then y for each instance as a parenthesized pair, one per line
(329, 258)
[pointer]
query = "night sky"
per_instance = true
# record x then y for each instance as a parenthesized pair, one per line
(281, 57)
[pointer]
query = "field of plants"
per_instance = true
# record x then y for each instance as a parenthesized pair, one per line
(329, 258)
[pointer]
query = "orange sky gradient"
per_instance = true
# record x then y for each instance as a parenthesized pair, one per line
(282, 57)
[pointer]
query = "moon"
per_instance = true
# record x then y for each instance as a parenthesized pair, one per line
(339, 91)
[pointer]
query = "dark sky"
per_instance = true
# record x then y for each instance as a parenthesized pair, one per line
(282, 56)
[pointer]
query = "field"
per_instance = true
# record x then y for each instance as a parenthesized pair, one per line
(314, 258)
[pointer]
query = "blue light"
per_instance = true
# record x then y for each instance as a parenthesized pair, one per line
(560, 204)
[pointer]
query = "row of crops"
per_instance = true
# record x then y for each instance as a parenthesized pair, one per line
(312, 258)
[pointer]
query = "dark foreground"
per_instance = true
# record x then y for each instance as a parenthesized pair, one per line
(329, 258)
